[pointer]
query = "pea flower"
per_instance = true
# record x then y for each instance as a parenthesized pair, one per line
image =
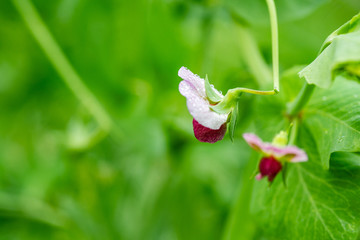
(275, 154)
(209, 126)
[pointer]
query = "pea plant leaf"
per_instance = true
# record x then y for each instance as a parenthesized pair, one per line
(333, 61)
(333, 120)
(317, 203)
(351, 26)
(340, 55)
(322, 196)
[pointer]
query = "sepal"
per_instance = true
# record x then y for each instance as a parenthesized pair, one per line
(211, 93)
(228, 103)
(232, 124)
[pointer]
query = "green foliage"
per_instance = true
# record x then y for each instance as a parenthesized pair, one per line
(291, 81)
(317, 203)
(344, 50)
(324, 201)
(339, 55)
(334, 121)
(150, 178)
(351, 26)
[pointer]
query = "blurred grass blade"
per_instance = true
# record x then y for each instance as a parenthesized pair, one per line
(253, 57)
(32, 209)
(58, 59)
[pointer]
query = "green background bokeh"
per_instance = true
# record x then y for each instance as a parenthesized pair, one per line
(154, 180)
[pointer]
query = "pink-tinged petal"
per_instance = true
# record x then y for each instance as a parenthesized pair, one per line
(298, 154)
(199, 107)
(289, 153)
(269, 167)
(254, 141)
(204, 134)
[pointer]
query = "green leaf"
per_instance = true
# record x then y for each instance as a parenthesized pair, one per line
(334, 120)
(350, 26)
(316, 204)
(232, 124)
(353, 69)
(344, 50)
(212, 95)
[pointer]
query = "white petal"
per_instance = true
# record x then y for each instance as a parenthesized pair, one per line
(199, 107)
(196, 81)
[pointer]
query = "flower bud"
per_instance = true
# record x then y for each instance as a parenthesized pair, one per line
(269, 167)
(204, 134)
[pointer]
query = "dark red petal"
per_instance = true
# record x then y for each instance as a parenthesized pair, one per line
(270, 167)
(204, 134)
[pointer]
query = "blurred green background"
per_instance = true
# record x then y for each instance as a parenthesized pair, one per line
(152, 179)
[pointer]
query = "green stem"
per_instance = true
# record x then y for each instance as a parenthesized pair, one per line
(302, 98)
(227, 104)
(275, 43)
(294, 131)
(239, 91)
(58, 59)
(251, 53)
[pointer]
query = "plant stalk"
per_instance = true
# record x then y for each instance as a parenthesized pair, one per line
(300, 101)
(294, 131)
(253, 91)
(275, 43)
